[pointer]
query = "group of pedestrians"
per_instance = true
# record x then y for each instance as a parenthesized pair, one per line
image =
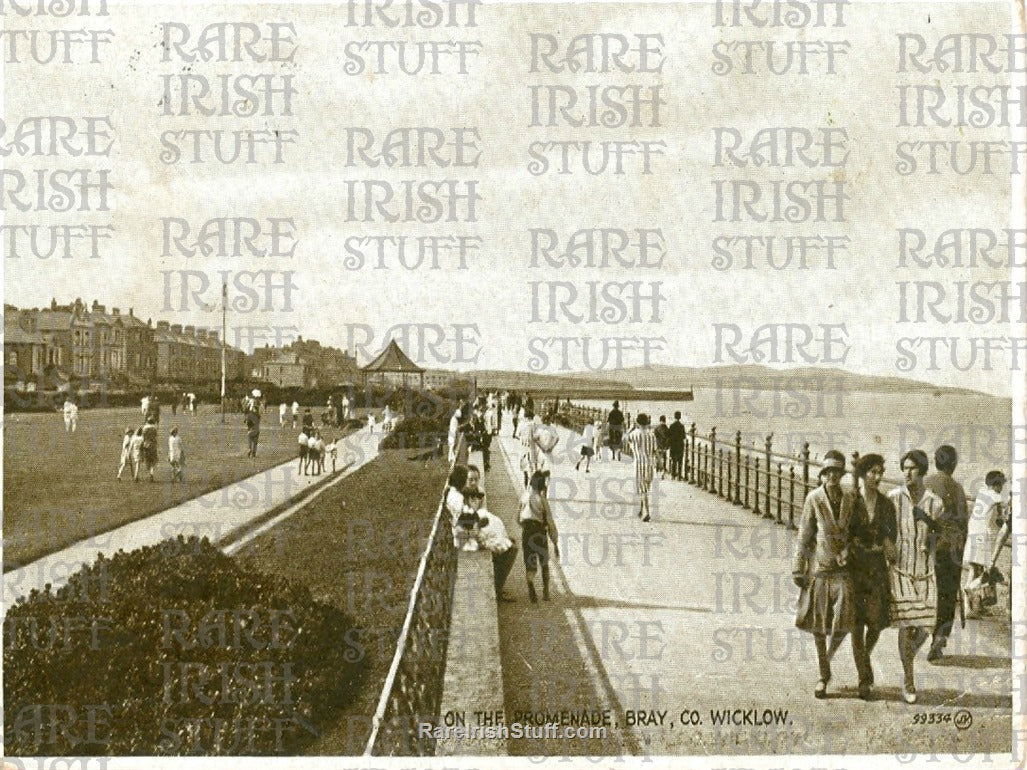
(474, 526)
(478, 422)
(652, 450)
(139, 451)
(866, 560)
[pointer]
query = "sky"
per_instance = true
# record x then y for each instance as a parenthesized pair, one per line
(494, 311)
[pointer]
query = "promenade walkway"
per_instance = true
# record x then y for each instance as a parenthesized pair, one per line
(222, 516)
(675, 625)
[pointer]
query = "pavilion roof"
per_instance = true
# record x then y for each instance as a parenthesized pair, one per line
(393, 359)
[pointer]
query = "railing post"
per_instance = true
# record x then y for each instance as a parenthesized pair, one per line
(708, 468)
(728, 494)
(704, 465)
(780, 493)
(755, 481)
(791, 497)
(690, 457)
(700, 465)
(805, 471)
(767, 514)
(720, 472)
(855, 460)
(711, 481)
(738, 467)
(748, 458)
(697, 464)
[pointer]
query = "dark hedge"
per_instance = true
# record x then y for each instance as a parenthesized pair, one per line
(173, 649)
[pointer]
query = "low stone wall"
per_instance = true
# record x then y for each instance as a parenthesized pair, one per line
(474, 672)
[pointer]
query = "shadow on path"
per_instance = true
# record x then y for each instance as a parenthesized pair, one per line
(550, 664)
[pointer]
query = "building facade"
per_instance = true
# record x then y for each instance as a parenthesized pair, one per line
(88, 342)
(304, 363)
(288, 370)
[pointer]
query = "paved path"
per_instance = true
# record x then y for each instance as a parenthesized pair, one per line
(694, 612)
(218, 515)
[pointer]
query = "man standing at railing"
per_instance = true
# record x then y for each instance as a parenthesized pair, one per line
(676, 442)
(950, 541)
(662, 433)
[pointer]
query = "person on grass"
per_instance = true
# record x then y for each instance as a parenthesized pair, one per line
(176, 455)
(136, 449)
(149, 448)
(126, 452)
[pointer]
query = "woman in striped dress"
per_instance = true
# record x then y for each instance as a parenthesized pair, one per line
(914, 595)
(643, 448)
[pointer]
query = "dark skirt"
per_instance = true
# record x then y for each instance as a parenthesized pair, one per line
(615, 435)
(872, 593)
(826, 605)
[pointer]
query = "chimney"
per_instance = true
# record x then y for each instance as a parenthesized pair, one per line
(176, 328)
(163, 325)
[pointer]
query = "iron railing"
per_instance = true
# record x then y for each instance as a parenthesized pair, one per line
(770, 484)
(412, 693)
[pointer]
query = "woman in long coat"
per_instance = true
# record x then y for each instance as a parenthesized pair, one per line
(914, 595)
(821, 564)
(874, 546)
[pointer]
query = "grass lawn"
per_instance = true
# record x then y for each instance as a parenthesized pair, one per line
(60, 488)
(357, 547)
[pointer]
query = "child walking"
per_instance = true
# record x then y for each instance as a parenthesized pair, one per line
(126, 452)
(176, 455)
(136, 450)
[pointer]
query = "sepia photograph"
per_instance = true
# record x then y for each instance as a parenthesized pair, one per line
(434, 383)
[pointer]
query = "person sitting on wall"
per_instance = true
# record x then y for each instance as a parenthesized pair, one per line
(493, 537)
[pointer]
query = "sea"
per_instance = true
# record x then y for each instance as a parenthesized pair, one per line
(979, 426)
